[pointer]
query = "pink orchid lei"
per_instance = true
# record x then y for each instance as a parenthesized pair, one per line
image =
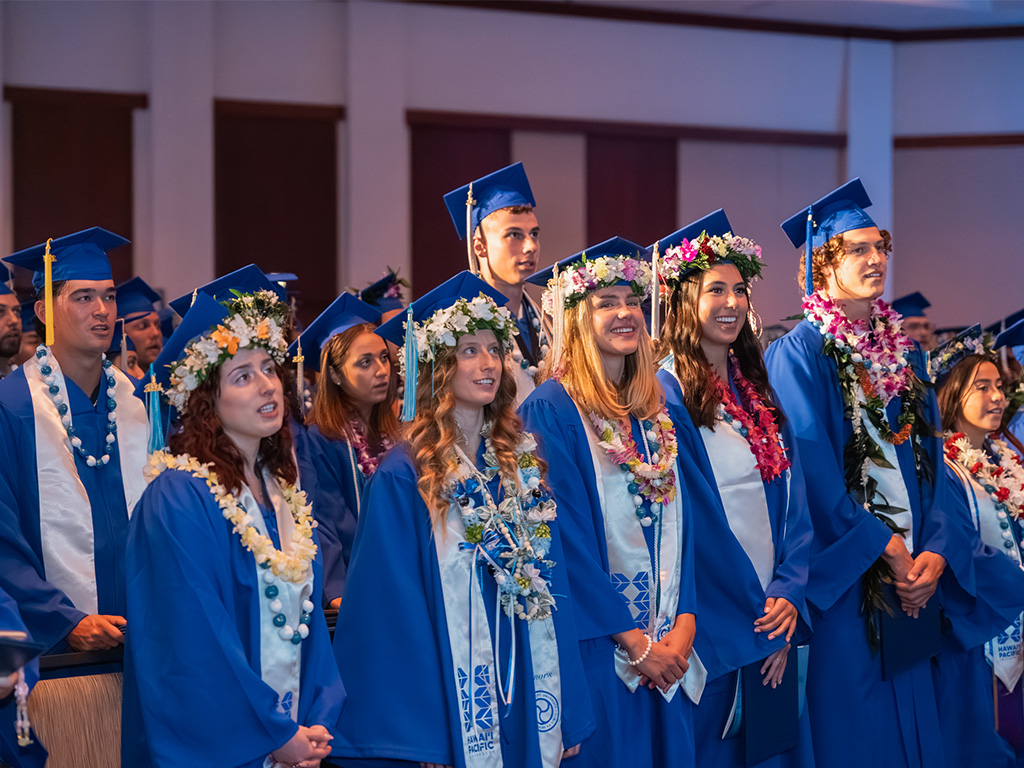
(757, 424)
(655, 480)
(368, 460)
(704, 252)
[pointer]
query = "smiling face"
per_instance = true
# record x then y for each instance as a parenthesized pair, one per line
(982, 404)
(145, 333)
(617, 319)
(508, 246)
(364, 374)
(83, 315)
(480, 363)
(860, 271)
(250, 399)
(722, 308)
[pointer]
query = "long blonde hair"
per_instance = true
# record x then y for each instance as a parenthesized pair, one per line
(581, 373)
(432, 434)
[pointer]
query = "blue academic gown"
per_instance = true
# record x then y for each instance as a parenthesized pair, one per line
(335, 506)
(639, 729)
(729, 593)
(193, 694)
(963, 678)
(894, 722)
(34, 755)
(393, 614)
(48, 613)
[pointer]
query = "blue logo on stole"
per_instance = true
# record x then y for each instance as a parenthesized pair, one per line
(1011, 634)
(284, 704)
(636, 592)
(479, 712)
(547, 711)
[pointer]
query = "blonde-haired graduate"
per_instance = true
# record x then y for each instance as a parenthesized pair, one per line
(456, 634)
(229, 660)
(625, 514)
(751, 566)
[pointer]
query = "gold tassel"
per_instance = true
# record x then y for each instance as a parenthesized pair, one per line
(48, 259)
(474, 266)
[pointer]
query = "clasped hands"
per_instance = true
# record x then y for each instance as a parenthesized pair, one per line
(666, 663)
(916, 577)
(305, 749)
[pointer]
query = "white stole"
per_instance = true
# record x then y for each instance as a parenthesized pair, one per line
(631, 571)
(742, 491)
(1003, 652)
(280, 659)
(891, 488)
(65, 514)
(473, 654)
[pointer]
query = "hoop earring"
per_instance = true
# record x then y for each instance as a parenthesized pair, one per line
(756, 324)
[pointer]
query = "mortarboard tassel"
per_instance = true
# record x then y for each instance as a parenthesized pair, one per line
(156, 428)
(809, 253)
(48, 259)
(557, 318)
(124, 346)
(474, 266)
(411, 369)
(300, 375)
(655, 297)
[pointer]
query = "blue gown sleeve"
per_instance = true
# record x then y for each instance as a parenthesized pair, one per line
(189, 662)
(847, 538)
(599, 610)
(692, 487)
(34, 755)
(336, 519)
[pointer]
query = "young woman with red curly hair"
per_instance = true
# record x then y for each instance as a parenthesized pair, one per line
(229, 660)
(457, 570)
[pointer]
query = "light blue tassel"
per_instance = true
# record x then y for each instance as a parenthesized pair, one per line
(809, 251)
(156, 425)
(412, 369)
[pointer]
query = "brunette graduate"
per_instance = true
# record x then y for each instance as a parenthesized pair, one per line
(351, 426)
(847, 379)
(230, 661)
(625, 513)
(978, 674)
(455, 636)
(755, 537)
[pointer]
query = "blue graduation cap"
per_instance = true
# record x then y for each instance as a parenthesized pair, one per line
(248, 279)
(80, 256)
(942, 359)
(204, 314)
(282, 277)
(911, 305)
(1013, 337)
(501, 189)
(613, 246)
(715, 224)
(135, 299)
(376, 293)
(166, 315)
(5, 277)
(344, 312)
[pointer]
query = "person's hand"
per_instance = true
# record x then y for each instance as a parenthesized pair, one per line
(779, 618)
(922, 579)
(305, 749)
(898, 558)
(7, 685)
(571, 752)
(97, 633)
(775, 666)
(335, 603)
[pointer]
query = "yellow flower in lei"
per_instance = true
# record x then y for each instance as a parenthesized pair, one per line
(293, 566)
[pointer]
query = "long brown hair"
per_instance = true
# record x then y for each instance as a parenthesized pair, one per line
(433, 433)
(333, 410)
(582, 375)
(954, 388)
(681, 335)
(202, 436)
(826, 257)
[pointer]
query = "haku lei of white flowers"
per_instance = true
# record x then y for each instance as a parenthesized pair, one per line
(588, 275)
(291, 566)
(1003, 481)
(948, 355)
(513, 536)
(256, 322)
(446, 325)
(704, 252)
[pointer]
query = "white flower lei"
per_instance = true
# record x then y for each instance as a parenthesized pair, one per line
(255, 323)
(948, 355)
(446, 325)
(577, 280)
(1008, 474)
(293, 566)
(693, 254)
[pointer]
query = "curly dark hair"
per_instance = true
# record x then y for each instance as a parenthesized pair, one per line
(828, 256)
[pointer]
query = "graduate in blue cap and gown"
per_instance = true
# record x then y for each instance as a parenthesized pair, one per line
(625, 511)
(136, 306)
(1012, 427)
(30, 339)
(10, 324)
(495, 216)
(231, 663)
(978, 674)
(19, 747)
(385, 295)
(751, 569)
(913, 307)
(458, 576)
(73, 439)
(123, 354)
(850, 383)
(351, 426)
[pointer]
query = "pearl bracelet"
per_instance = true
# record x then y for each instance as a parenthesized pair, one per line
(640, 660)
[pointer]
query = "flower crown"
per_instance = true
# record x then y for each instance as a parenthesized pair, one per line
(465, 316)
(705, 251)
(587, 275)
(943, 359)
(257, 321)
